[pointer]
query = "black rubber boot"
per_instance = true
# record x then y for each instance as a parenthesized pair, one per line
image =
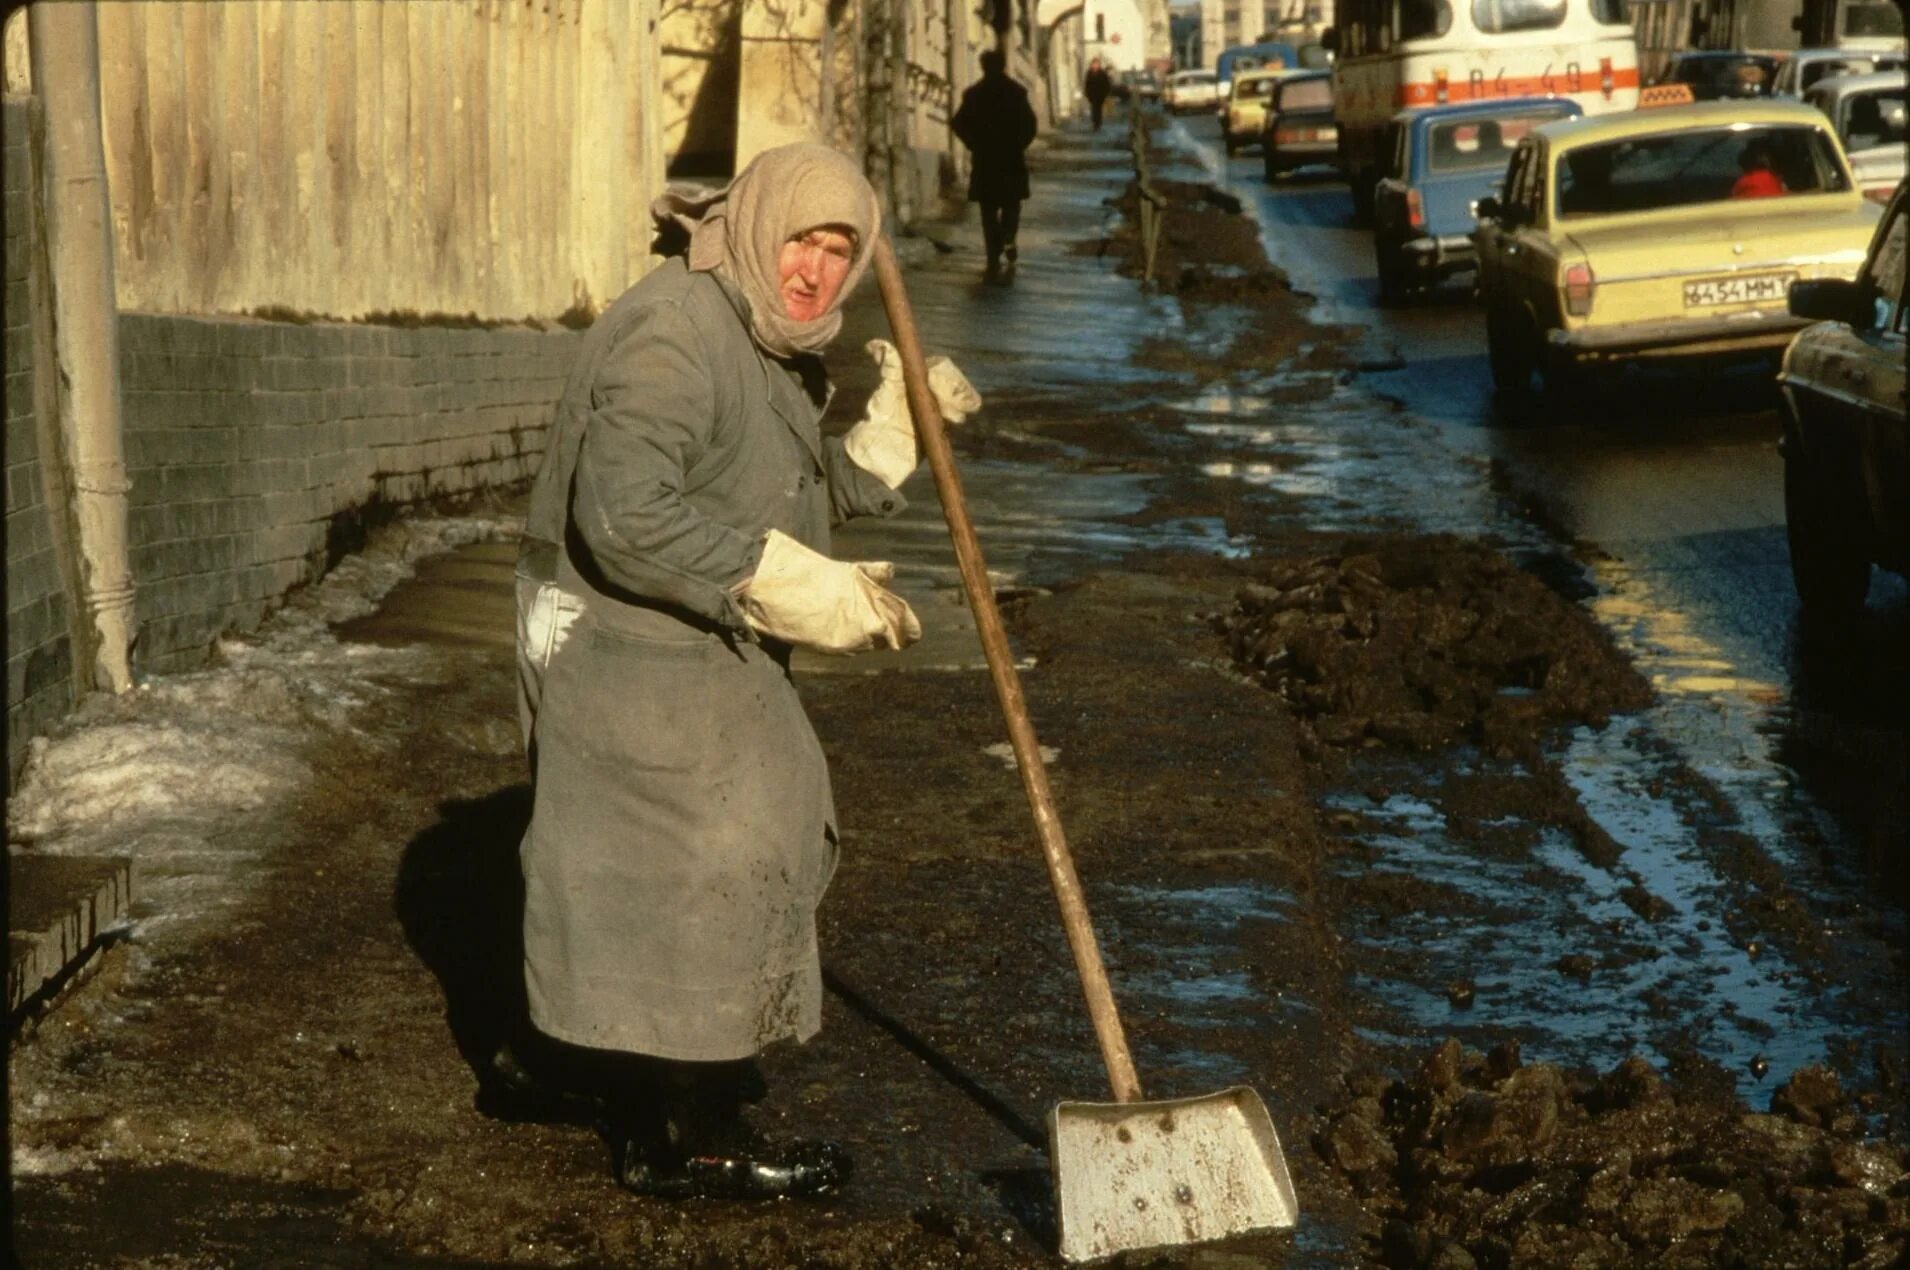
(687, 1139)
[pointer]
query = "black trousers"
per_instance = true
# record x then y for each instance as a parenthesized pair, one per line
(999, 223)
(1095, 106)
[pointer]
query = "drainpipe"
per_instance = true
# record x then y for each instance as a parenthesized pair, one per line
(64, 40)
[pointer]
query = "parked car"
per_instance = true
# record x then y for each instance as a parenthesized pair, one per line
(1299, 123)
(1846, 475)
(1444, 160)
(1868, 113)
(1243, 119)
(1189, 91)
(1713, 74)
(1266, 55)
(1638, 234)
(1804, 67)
(1143, 85)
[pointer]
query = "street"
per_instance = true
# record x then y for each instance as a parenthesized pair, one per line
(1380, 715)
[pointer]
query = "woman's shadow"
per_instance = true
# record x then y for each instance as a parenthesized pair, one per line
(460, 899)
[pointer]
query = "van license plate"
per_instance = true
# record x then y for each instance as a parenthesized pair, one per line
(1742, 289)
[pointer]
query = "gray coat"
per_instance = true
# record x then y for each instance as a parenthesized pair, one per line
(683, 830)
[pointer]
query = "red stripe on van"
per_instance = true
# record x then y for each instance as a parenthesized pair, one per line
(1590, 80)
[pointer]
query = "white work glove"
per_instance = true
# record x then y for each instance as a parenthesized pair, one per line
(883, 443)
(803, 597)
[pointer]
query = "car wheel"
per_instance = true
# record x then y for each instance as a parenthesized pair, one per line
(1828, 563)
(1508, 351)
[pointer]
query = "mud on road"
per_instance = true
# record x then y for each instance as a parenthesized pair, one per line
(1247, 745)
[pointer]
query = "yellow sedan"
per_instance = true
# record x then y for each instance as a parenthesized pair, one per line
(1244, 116)
(1664, 232)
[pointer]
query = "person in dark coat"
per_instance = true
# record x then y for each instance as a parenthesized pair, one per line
(1097, 86)
(997, 124)
(676, 550)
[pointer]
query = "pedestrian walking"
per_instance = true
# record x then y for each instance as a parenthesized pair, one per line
(675, 552)
(997, 125)
(1097, 85)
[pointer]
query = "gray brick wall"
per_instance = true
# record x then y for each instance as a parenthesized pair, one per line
(39, 652)
(247, 440)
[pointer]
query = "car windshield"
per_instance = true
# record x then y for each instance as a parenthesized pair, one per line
(1872, 119)
(1307, 94)
(1726, 76)
(1254, 87)
(1467, 145)
(1708, 165)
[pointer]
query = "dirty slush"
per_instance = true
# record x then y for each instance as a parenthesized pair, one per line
(1230, 725)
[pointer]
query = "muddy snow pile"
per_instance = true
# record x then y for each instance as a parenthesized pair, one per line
(1482, 1160)
(1423, 642)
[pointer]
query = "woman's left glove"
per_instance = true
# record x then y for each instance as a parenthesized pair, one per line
(883, 443)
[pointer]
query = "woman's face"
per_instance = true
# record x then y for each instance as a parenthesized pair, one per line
(811, 268)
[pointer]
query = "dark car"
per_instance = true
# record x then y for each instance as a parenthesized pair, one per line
(1846, 465)
(1299, 127)
(1714, 74)
(1444, 159)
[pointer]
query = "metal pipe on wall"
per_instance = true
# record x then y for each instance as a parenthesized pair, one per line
(64, 47)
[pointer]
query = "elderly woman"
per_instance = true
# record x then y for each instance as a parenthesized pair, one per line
(676, 550)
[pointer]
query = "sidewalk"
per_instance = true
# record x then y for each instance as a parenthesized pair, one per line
(1064, 329)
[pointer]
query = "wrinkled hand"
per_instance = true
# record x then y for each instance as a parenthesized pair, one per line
(833, 606)
(883, 443)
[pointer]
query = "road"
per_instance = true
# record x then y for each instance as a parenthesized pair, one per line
(1666, 487)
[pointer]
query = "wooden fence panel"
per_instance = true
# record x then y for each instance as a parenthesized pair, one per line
(363, 156)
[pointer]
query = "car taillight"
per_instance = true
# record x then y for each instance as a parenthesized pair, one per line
(1607, 82)
(1440, 92)
(1415, 210)
(1579, 286)
(1879, 193)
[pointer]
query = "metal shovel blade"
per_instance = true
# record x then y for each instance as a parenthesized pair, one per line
(1134, 1175)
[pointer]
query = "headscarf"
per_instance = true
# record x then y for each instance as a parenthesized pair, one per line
(738, 232)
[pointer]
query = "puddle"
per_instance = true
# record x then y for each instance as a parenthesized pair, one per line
(1554, 949)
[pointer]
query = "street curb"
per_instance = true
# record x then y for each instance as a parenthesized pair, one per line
(59, 910)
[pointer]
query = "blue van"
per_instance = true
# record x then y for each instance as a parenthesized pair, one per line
(1438, 163)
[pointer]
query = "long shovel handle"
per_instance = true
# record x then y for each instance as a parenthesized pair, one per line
(1001, 668)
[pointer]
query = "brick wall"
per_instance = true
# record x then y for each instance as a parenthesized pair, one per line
(252, 445)
(39, 653)
(255, 449)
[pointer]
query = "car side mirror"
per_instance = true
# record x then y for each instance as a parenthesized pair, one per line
(1832, 300)
(1490, 208)
(1330, 40)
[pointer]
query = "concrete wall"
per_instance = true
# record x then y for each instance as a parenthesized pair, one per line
(40, 685)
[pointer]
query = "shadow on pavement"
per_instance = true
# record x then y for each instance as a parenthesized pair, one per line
(460, 899)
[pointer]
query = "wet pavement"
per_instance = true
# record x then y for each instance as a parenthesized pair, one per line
(1687, 882)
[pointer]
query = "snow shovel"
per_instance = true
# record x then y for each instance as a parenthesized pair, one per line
(1132, 1173)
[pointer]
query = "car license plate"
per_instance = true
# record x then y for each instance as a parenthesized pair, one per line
(1740, 289)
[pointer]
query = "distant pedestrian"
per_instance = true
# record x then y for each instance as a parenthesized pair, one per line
(997, 124)
(1097, 86)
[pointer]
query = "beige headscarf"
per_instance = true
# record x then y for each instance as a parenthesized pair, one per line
(739, 232)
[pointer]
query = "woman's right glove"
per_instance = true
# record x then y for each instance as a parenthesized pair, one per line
(803, 597)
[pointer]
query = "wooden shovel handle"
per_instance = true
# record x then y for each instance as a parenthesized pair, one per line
(1001, 668)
